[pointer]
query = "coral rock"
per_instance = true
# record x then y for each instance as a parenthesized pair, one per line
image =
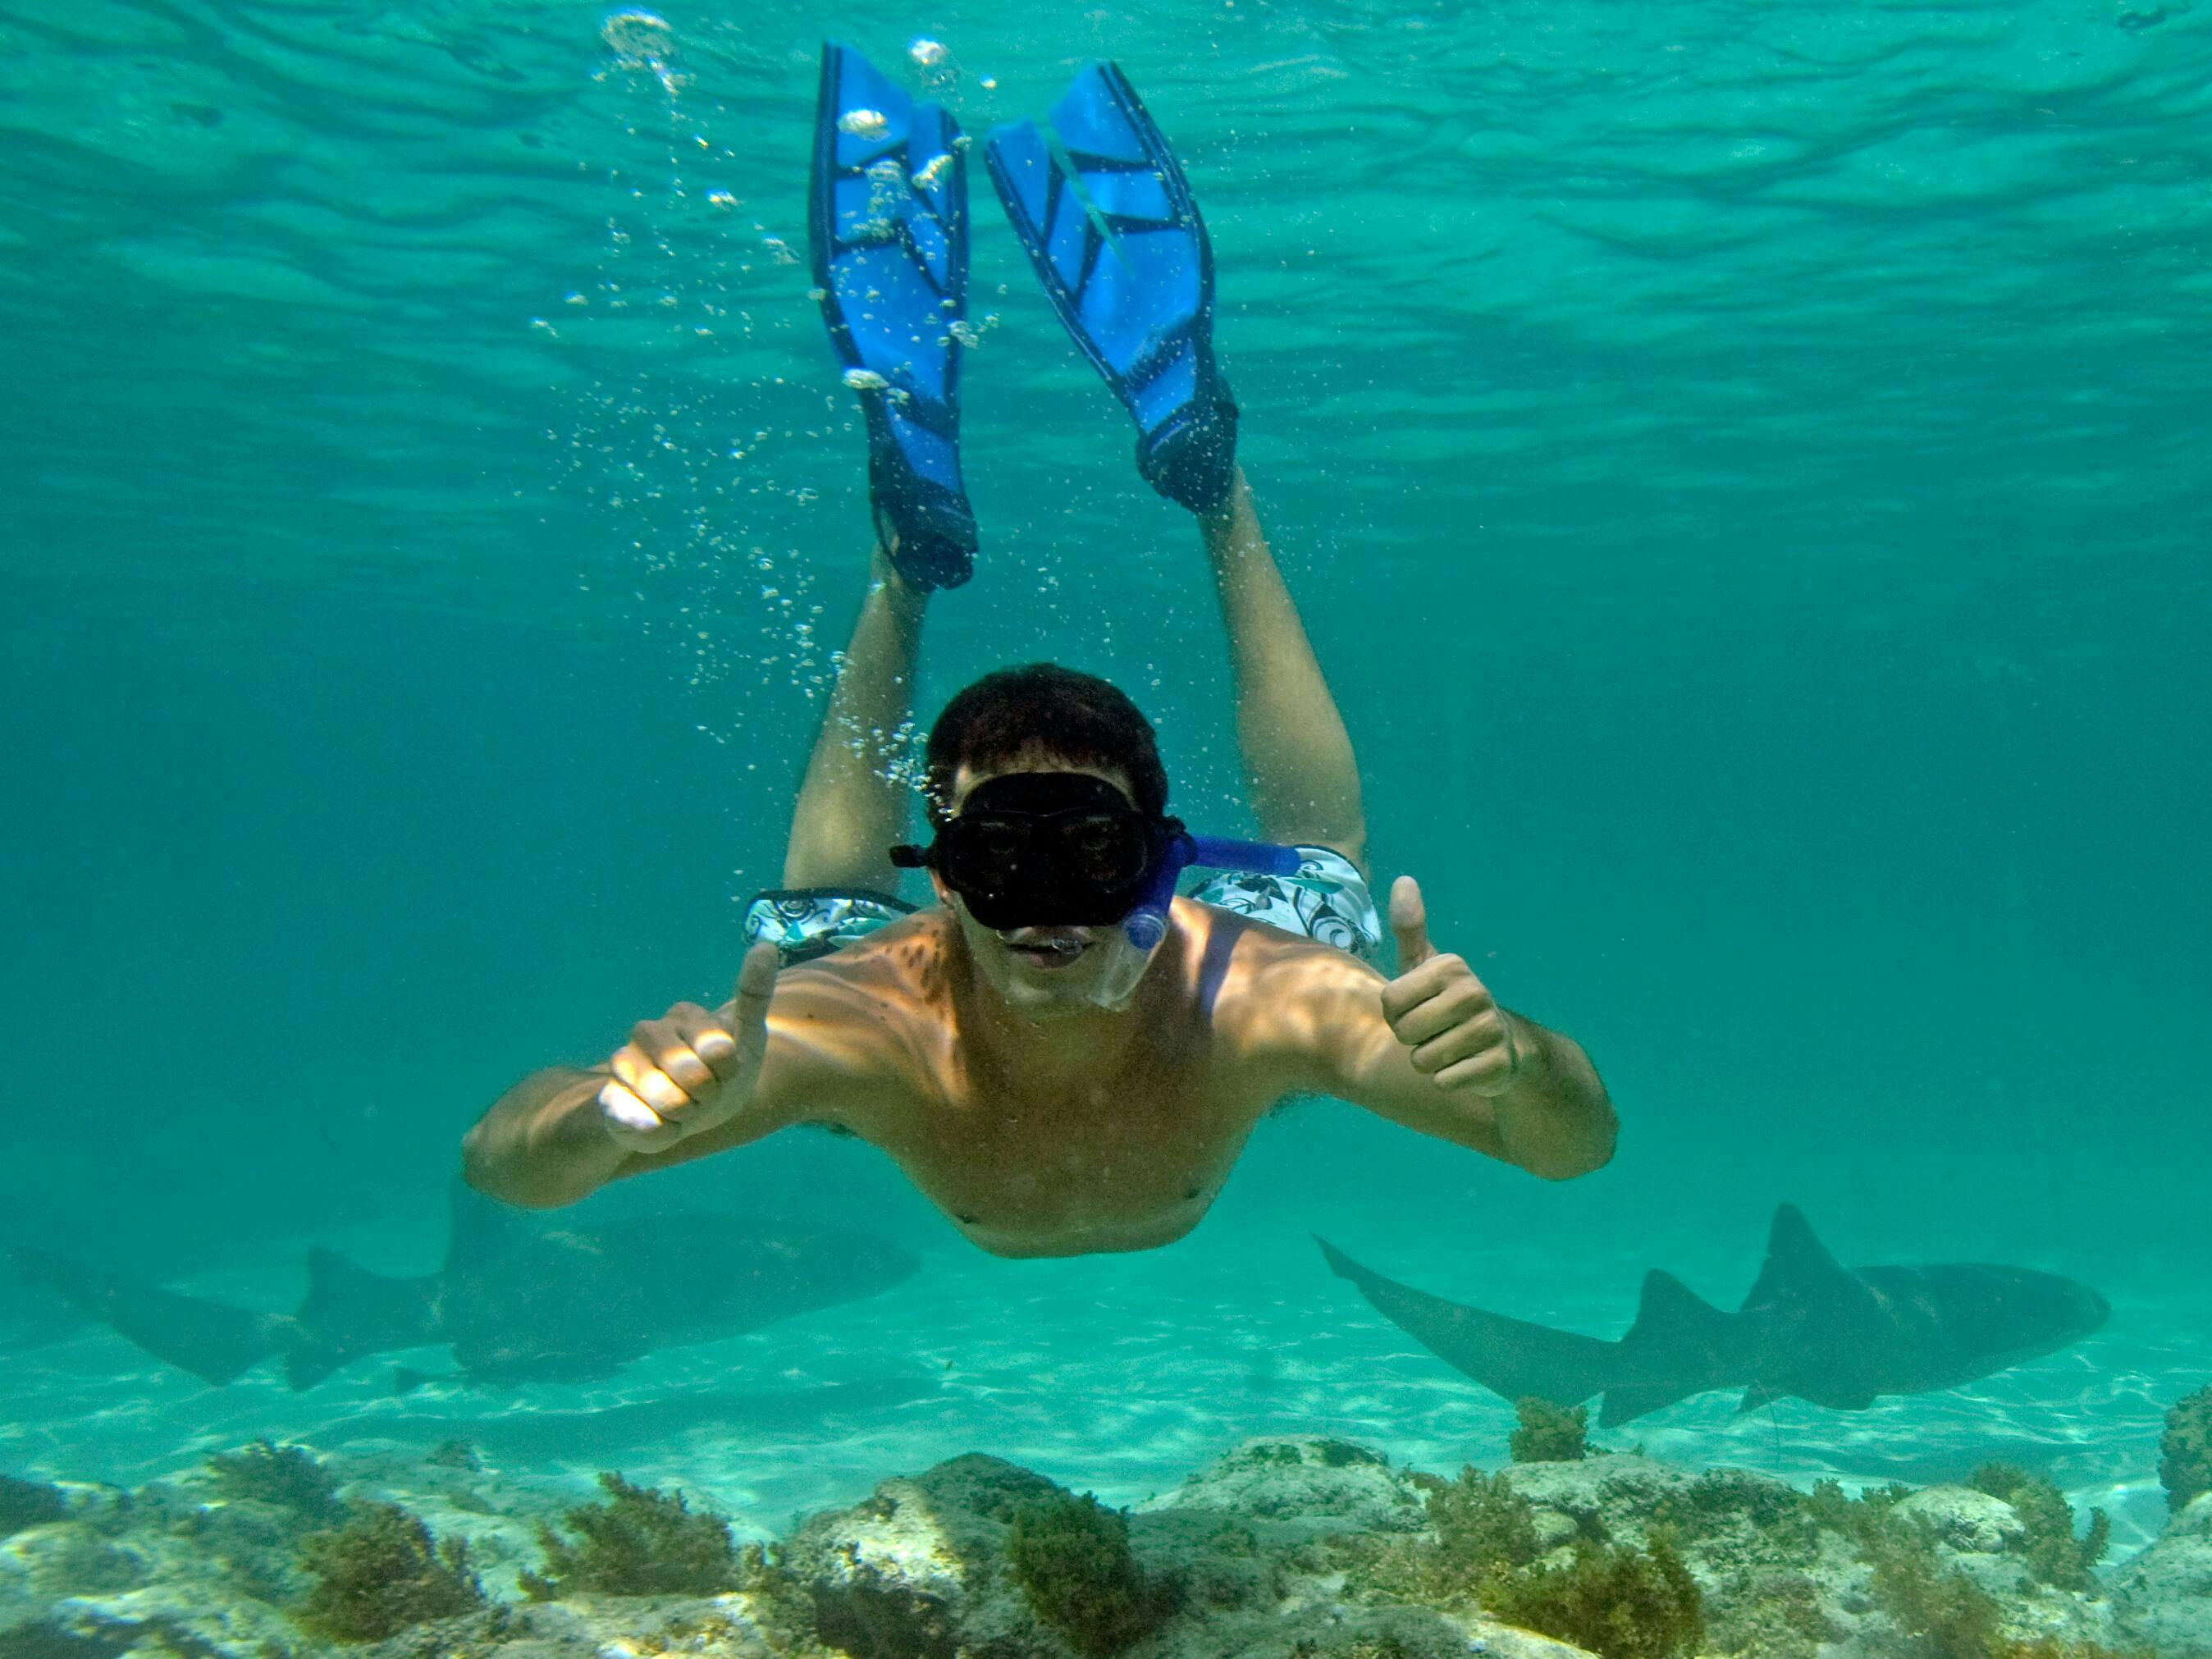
(2164, 1596)
(1972, 1523)
(1320, 1485)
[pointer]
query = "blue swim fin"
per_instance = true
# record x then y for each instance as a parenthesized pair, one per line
(1109, 222)
(887, 227)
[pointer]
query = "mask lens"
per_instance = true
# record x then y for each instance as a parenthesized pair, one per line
(1033, 849)
(1108, 848)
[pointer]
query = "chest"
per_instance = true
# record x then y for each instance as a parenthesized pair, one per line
(1127, 1154)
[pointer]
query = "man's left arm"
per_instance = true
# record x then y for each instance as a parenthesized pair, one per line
(1432, 1050)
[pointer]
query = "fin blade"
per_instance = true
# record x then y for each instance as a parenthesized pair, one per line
(1513, 1359)
(213, 1340)
(887, 226)
(1108, 220)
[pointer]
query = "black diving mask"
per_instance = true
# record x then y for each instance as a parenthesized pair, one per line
(1042, 849)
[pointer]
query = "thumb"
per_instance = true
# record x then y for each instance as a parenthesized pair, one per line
(755, 984)
(1409, 923)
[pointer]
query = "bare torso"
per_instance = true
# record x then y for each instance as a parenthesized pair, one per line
(1065, 1136)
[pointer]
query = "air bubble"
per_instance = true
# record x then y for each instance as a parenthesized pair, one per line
(865, 379)
(639, 37)
(927, 54)
(861, 123)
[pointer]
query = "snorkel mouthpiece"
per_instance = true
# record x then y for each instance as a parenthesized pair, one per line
(1144, 927)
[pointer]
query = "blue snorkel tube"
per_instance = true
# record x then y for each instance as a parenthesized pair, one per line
(1144, 927)
(1148, 925)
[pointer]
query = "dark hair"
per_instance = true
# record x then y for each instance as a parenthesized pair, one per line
(1043, 707)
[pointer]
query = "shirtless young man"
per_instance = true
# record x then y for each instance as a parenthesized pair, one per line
(1056, 1076)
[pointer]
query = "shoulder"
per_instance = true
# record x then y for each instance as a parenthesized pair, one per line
(872, 1016)
(1270, 990)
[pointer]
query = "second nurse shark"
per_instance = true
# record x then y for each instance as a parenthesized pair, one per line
(516, 1299)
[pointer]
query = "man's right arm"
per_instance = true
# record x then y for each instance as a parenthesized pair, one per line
(546, 1143)
(690, 1083)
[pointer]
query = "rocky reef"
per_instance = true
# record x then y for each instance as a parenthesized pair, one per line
(1287, 1547)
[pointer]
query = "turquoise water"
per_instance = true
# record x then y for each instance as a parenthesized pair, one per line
(1742, 467)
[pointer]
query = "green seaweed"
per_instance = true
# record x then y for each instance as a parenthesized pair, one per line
(380, 1573)
(1619, 1602)
(638, 1542)
(1945, 1614)
(1771, 1613)
(1482, 1525)
(287, 1477)
(2185, 1464)
(1549, 1434)
(28, 1504)
(1071, 1556)
(1744, 1519)
(2054, 1554)
(1345, 1454)
(1862, 1520)
(1482, 1528)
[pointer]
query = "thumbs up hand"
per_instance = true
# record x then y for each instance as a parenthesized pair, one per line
(690, 1070)
(1438, 1009)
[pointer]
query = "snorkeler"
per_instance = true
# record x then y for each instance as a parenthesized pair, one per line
(1060, 1054)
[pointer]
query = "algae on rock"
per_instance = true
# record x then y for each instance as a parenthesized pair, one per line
(2054, 1554)
(1548, 1434)
(638, 1542)
(380, 1573)
(2185, 1464)
(1071, 1556)
(1619, 1602)
(287, 1477)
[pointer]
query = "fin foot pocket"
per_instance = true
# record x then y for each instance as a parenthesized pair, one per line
(1108, 220)
(887, 227)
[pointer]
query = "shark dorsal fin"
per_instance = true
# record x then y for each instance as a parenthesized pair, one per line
(1798, 1267)
(481, 1229)
(1679, 1344)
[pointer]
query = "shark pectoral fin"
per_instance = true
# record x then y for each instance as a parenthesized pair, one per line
(213, 1340)
(349, 1312)
(1757, 1397)
(1511, 1358)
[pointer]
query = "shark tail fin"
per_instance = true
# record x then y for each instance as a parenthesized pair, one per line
(350, 1311)
(1511, 1358)
(213, 1340)
(1679, 1344)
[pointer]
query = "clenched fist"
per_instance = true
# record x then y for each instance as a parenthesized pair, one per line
(1458, 1033)
(689, 1071)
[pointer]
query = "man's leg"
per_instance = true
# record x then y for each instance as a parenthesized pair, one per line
(852, 806)
(1299, 763)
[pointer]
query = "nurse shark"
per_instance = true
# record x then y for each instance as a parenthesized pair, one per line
(516, 1300)
(1811, 1328)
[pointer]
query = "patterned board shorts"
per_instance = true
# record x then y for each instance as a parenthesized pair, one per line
(1328, 901)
